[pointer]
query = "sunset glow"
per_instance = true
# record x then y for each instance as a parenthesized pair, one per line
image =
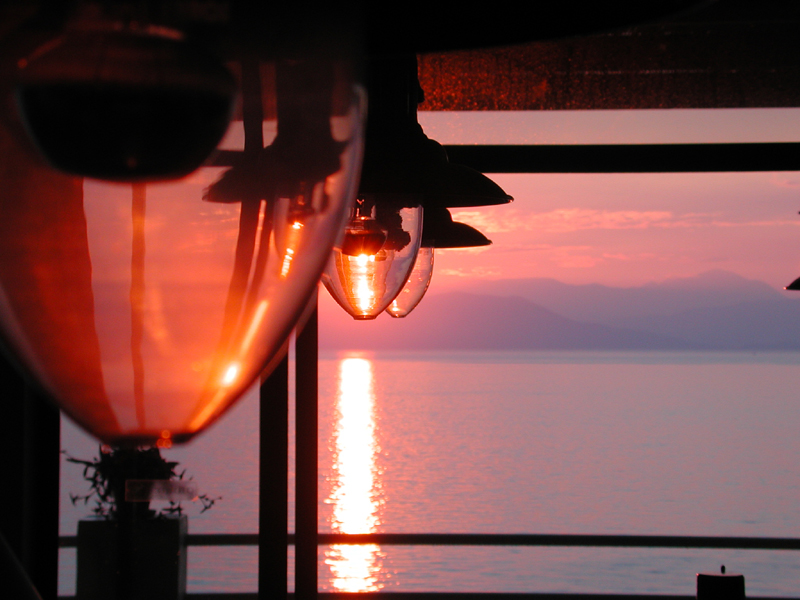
(627, 229)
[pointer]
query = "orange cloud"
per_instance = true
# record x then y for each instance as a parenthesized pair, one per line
(471, 273)
(566, 220)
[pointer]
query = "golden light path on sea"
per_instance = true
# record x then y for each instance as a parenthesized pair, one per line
(356, 491)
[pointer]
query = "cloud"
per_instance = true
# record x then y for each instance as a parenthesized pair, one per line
(572, 257)
(574, 219)
(472, 273)
(487, 221)
(567, 220)
(463, 251)
(563, 220)
(785, 180)
(586, 257)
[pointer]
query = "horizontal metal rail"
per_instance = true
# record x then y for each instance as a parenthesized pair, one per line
(483, 539)
(501, 539)
(629, 158)
(526, 539)
(613, 158)
(454, 596)
(449, 596)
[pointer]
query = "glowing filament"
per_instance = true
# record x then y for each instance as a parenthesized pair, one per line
(363, 275)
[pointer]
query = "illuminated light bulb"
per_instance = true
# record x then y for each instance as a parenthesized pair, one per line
(151, 309)
(400, 164)
(363, 234)
(293, 236)
(376, 257)
(289, 222)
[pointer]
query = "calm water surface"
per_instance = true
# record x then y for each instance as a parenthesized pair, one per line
(653, 443)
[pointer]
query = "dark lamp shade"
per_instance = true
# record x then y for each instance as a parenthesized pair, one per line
(440, 231)
(458, 186)
(415, 164)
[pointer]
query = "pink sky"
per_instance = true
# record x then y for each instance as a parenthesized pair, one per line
(628, 229)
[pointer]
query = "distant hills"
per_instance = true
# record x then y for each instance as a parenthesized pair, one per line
(716, 310)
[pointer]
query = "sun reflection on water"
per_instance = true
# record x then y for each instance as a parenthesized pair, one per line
(356, 491)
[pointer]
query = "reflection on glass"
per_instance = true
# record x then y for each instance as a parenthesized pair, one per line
(356, 491)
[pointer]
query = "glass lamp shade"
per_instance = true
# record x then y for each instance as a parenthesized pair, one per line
(145, 311)
(438, 231)
(416, 285)
(375, 258)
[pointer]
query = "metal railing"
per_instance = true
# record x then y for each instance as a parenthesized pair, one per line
(501, 539)
(486, 540)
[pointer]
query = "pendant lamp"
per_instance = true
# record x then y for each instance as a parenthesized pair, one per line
(402, 168)
(146, 309)
(377, 255)
(405, 174)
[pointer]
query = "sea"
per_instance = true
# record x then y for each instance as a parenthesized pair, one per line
(662, 443)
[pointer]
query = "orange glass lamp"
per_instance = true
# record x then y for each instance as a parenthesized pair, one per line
(438, 231)
(146, 310)
(377, 255)
(382, 238)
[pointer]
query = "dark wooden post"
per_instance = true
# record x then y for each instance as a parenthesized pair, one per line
(30, 442)
(274, 484)
(306, 421)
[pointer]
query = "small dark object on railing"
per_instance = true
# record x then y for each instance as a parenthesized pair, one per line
(713, 586)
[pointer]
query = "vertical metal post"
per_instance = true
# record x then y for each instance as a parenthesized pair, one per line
(273, 517)
(30, 442)
(306, 420)
(42, 465)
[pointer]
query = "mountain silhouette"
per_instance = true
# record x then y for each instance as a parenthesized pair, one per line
(716, 310)
(619, 305)
(477, 322)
